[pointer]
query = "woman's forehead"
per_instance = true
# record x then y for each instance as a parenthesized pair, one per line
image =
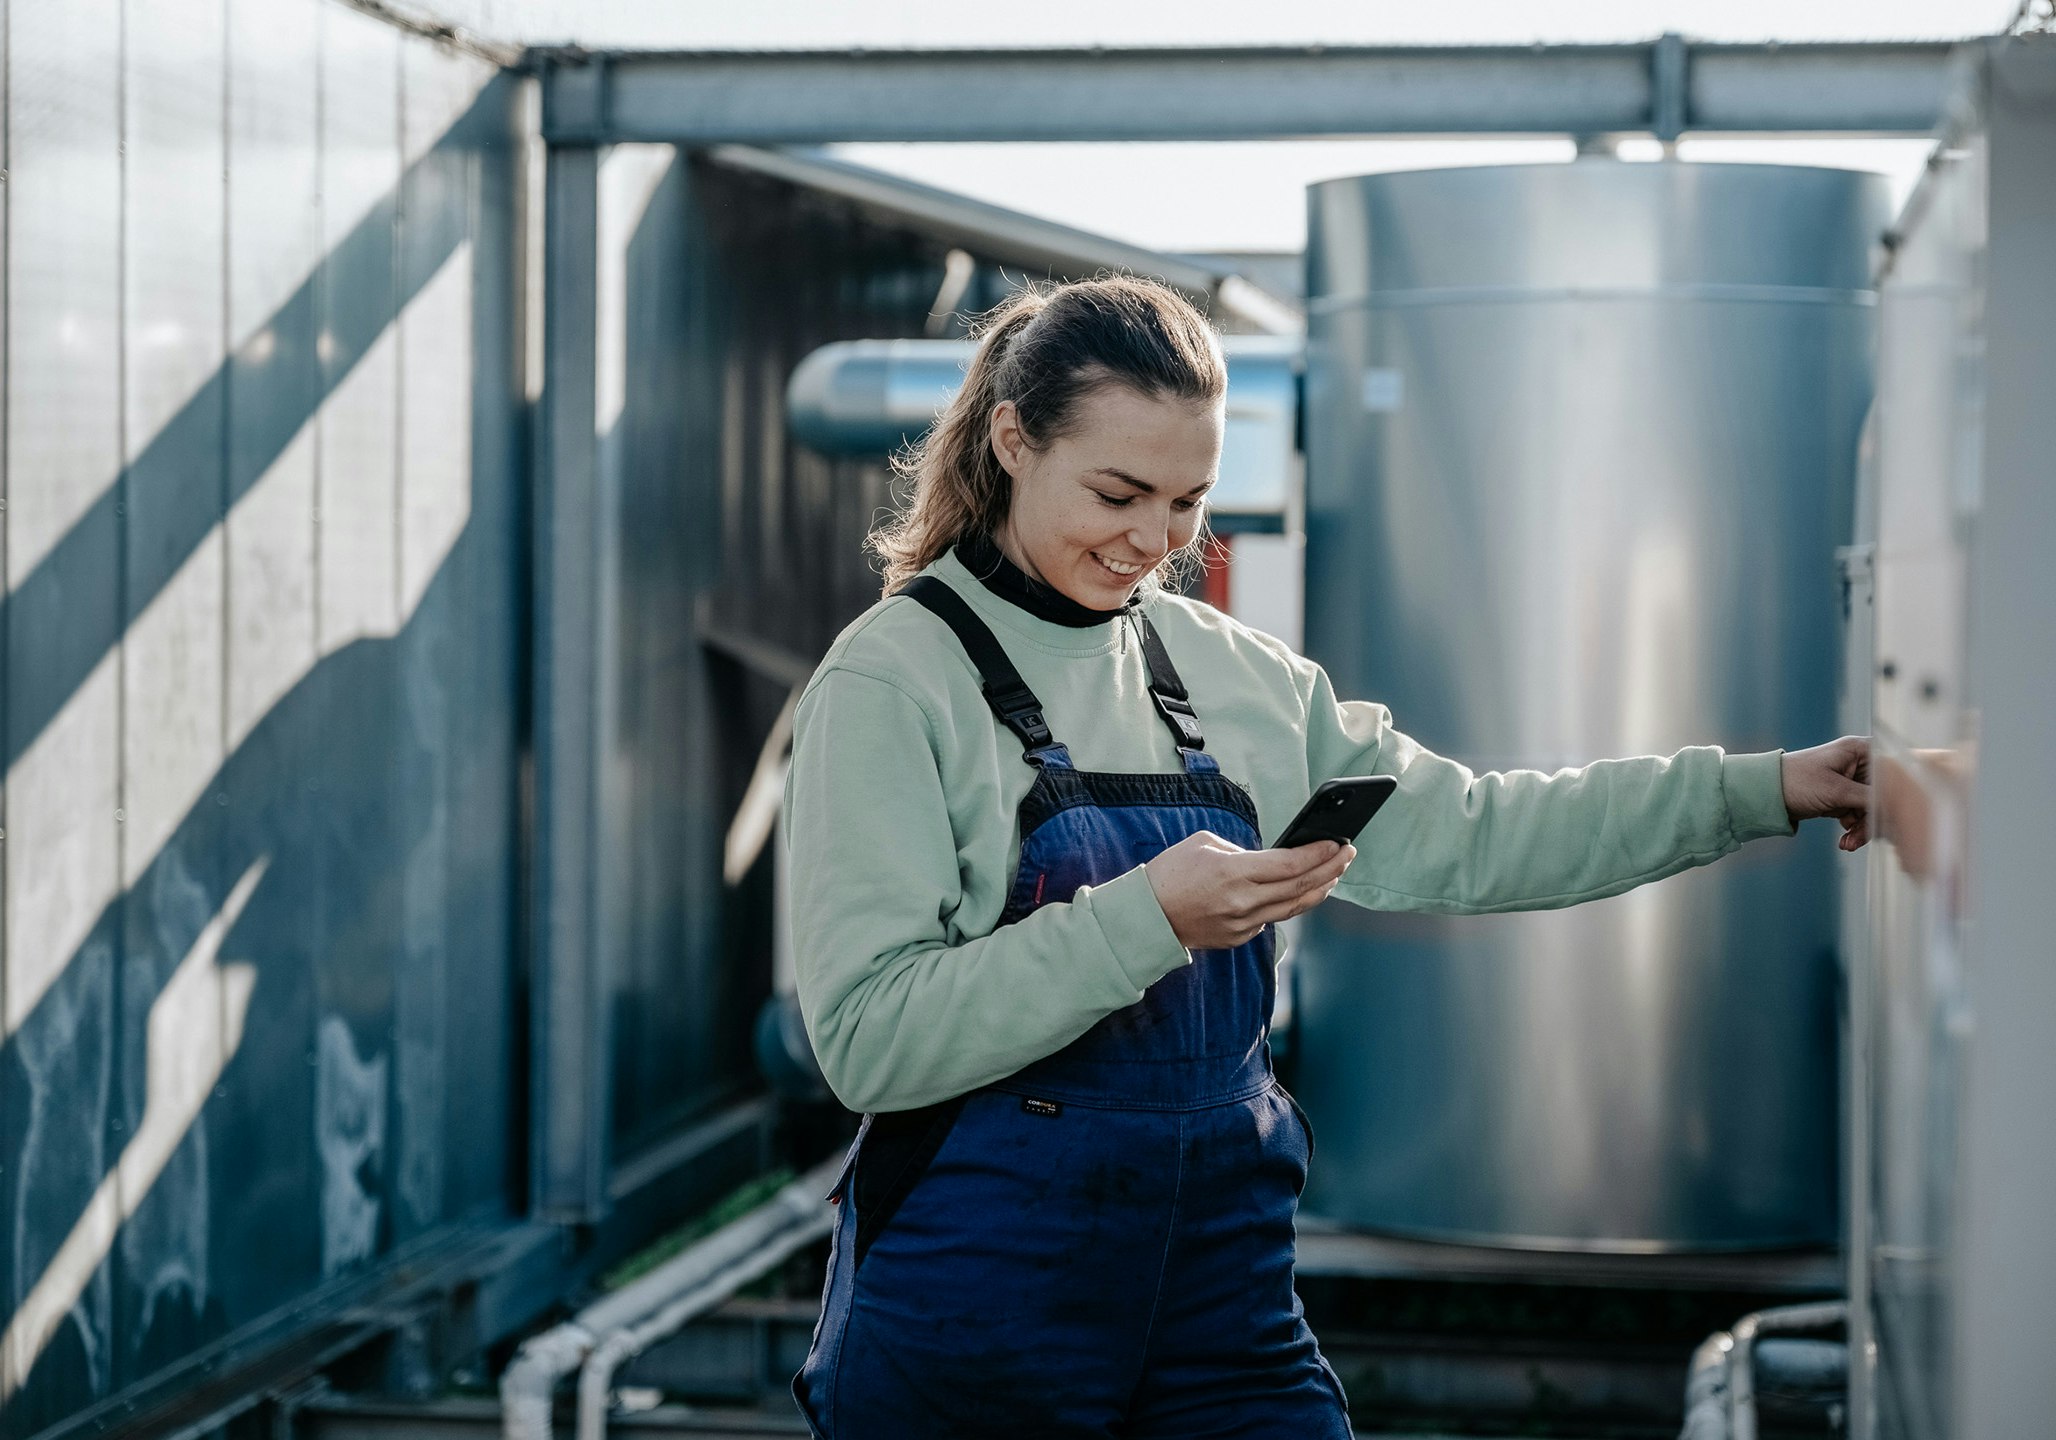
(1159, 432)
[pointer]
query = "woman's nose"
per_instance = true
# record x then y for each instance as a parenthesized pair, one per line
(1151, 537)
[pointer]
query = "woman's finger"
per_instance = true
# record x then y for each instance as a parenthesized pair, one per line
(1846, 794)
(1298, 905)
(1275, 866)
(1268, 892)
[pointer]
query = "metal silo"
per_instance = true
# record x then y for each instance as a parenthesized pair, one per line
(1580, 449)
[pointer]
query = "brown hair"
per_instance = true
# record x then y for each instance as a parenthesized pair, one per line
(1044, 350)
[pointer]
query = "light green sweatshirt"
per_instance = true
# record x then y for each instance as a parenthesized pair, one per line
(900, 818)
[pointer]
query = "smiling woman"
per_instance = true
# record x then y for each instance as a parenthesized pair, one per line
(1070, 1210)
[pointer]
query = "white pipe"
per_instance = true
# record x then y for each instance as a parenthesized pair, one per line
(1706, 1390)
(528, 1386)
(1742, 1360)
(705, 1275)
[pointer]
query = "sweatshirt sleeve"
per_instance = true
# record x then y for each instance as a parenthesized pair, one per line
(899, 1015)
(1460, 843)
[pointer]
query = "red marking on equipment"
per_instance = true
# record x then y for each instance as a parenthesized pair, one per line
(1038, 886)
(1214, 582)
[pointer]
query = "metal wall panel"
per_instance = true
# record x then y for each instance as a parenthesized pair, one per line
(1918, 986)
(274, 251)
(262, 637)
(668, 1061)
(174, 994)
(1961, 1266)
(356, 599)
(474, 631)
(64, 561)
(742, 557)
(446, 343)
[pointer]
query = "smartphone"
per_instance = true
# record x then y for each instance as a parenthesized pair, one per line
(1338, 810)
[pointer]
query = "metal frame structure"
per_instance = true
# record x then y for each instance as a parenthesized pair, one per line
(1665, 87)
(592, 100)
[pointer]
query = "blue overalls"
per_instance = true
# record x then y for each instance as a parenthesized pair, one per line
(1101, 1244)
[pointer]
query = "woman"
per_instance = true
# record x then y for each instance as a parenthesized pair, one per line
(1070, 1211)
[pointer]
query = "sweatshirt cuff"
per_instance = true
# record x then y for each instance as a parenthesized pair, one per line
(1135, 929)
(1754, 786)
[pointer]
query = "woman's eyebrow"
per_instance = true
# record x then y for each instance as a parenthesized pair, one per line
(1144, 486)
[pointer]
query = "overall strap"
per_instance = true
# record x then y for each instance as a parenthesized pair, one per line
(1166, 689)
(1005, 690)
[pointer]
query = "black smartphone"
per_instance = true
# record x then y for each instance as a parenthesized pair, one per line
(1338, 810)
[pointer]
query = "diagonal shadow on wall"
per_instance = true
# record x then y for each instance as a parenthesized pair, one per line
(371, 818)
(62, 618)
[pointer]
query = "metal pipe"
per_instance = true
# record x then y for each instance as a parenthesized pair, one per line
(1706, 1390)
(528, 1386)
(704, 1276)
(1785, 1320)
(869, 397)
(1720, 1387)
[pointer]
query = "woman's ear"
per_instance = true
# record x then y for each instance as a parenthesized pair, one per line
(1009, 441)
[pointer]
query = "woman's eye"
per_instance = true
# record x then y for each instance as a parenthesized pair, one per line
(1184, 504)
(1117, 501)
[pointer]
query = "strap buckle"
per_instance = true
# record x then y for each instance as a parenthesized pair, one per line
(1180, 716)
(1020, 712)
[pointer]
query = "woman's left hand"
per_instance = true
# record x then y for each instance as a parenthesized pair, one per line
(1832, 779)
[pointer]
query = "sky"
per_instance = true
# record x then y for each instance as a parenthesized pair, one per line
(1236, 195)
(879, 24)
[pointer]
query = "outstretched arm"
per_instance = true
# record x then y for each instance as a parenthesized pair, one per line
(1455, 841)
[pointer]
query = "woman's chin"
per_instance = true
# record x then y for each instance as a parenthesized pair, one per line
(1101, 594)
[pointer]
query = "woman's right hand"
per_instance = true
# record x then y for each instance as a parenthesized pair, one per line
(1218, 895)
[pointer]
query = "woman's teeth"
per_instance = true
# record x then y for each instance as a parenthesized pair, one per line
(1124, 571)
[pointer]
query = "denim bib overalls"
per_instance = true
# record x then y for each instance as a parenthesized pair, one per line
(1100, 1244)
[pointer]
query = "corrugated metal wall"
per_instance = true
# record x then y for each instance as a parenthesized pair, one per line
(729, 535)
(262, 630)
(790, 271)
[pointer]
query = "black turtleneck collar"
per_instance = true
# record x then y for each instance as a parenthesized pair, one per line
(984, 559)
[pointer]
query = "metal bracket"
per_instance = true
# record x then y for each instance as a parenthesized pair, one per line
(1670, 74)
(577, 91)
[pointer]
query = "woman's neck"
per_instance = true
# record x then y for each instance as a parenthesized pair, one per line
(984, 558)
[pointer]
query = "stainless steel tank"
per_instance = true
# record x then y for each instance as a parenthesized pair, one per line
(1580, 448)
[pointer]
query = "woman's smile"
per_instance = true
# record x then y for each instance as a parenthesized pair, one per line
(1119, 569)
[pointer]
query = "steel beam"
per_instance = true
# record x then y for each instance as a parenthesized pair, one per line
(1665, 87)
(571, 1010)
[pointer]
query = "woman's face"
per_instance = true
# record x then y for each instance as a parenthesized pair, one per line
(1098, 508)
